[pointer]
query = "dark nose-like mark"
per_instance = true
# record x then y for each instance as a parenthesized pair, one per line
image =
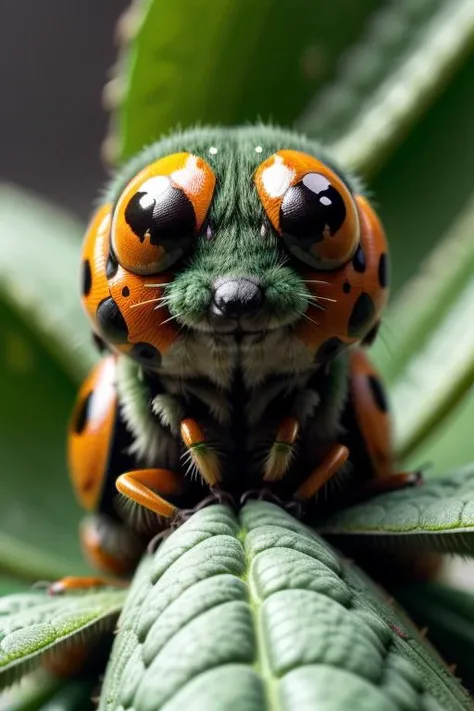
(237, 297)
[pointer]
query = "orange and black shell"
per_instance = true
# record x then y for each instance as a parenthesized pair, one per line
(124, 272)
(367, 420)
(350, 294)
(94, 457)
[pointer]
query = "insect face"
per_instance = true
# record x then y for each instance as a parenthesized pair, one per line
(233, 233)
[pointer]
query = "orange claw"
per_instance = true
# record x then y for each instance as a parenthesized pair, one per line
(137, 486)
(72, 583)
(331, 464)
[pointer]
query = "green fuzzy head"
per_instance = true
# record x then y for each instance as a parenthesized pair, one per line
(238, 241)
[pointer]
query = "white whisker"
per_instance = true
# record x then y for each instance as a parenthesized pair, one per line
(310, 319)
(148, 301)
(325, 298)
(171, 318)
(157, 286)
(315, 281)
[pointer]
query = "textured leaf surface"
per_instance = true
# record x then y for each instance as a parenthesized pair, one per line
(35, 623)
(39, 274)
(220, 61)
(257, 612)
(438, 515)
(408, 52)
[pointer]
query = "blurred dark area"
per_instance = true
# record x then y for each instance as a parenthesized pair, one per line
(54, 60)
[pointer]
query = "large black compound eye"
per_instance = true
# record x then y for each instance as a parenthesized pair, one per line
(319, 222)
(160, 212)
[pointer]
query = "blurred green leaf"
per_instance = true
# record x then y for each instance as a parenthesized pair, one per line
(448, 616)
(428, 181)
(436, 516)
(38, 514)
(432, 366)
(44, 347)
(220, 61)
(36, 623)
(34, 691)
(39, 275)
(408, 53)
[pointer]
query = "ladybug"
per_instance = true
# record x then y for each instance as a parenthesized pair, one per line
(232, 277)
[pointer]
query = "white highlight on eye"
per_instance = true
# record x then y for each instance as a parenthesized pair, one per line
(213, 150)
(316, 182)
(277, 178)
(191, 178)
(258, 149)
(152, 188)
(325, 200)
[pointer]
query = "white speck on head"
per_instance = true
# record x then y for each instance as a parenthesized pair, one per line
(213, 150)
(277, 178)
(325, 200)
(263, 230)
(190, 178)
(316, 182)
(258, 149)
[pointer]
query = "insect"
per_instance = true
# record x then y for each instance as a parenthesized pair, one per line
(231, 278)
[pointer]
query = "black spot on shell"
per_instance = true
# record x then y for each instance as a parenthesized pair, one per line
(125, 291)
(111, 322)
(112, 266)
(346, 287)
(81, 417)
(86, 277)
(99, 343)
(146, 354)
(378, 393)
(372, 335)
(362, 314)
(384, 270)
(358, 260)
(329, 350)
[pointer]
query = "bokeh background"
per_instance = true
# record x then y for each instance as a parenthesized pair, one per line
(55, 58)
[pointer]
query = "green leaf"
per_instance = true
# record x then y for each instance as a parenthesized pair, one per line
(257, 612)
(31, 694)
(39, 275)
(38, 537)
(219, 61)
(448, 616)
(432, 366)
(436, 516)
(44, 347)
(406, 190)
(35, 624)
(407, 54)
(73, 696)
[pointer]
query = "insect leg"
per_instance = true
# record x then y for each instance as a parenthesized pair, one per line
(282, 450)
(331, 464)
(201, 452)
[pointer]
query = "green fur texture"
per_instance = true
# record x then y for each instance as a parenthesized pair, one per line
(237, 248)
